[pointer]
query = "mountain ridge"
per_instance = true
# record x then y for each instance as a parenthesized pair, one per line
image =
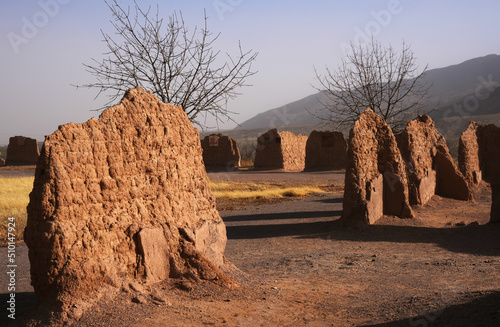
(473, 84)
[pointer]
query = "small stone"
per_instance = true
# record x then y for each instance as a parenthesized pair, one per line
(141, 299)
(137, 287)
(185, 286)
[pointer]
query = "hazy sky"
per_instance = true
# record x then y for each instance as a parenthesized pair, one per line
(43, 44)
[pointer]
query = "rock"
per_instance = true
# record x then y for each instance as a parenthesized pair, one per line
(281, 150)
(430, 167)
(2, 162)
(110, 199)
(375, 180)
(141, 299)
(186, 286)
(136, 287)
(326, 150)
(22, 151)
(220, 151)
(159, 297)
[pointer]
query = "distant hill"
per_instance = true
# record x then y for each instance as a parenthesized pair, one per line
(473, 84)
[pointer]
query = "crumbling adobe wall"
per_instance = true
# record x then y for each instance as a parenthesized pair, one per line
(326, 150)
(489, 150)
(281, 150)
(375, 180)
(431, 169)
(220, 151)
(468, 155)
(120, 199)
(22, 151)
(479, 152)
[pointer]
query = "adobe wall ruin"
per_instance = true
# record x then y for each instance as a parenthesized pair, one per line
(431, 169)
(121, 199)
(326, 150)
(22, 151)
(220, 151)
(281, 150)
(479, 158)
(375, 180)
(479, 152)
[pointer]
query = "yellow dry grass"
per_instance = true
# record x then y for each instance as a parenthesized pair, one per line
(236, 190)
(14, 197)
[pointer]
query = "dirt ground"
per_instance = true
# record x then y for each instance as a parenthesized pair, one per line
(299, 267)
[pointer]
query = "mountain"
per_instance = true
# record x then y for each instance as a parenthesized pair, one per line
(469, 88)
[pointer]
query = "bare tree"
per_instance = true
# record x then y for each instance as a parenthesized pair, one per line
(376, 77)
(179, 66)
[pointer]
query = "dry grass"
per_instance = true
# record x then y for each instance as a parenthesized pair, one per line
(14, 197)
(234, 190)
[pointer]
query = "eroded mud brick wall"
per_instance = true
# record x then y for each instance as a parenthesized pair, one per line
(22, 151)
(431, 169)
(220, 151)
(479, 152)
(468, 155)
(119, 199)
(375, 180)
(479, 158)
(280, 150)
(326, 150)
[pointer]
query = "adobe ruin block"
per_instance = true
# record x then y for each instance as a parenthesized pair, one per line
(281, 150)
(119, 200)
(220, 151)
(431, 169)
(479, 158)
(375, 180)
(22, 151)
(326, 150)
(479, 152)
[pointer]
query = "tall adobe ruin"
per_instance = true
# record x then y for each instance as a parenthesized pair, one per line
(220, 151)
(479, 158)
(375, 180)
(22, 151)
(281, 150)
(326, 150)
(118, 200)
(431, 169)
(479, 152)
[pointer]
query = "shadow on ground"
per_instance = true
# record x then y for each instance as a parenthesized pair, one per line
(283, 215)
(480, 311)
(478, 240)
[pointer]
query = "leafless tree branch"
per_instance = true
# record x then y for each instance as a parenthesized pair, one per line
(376, 77)
(179, 66)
